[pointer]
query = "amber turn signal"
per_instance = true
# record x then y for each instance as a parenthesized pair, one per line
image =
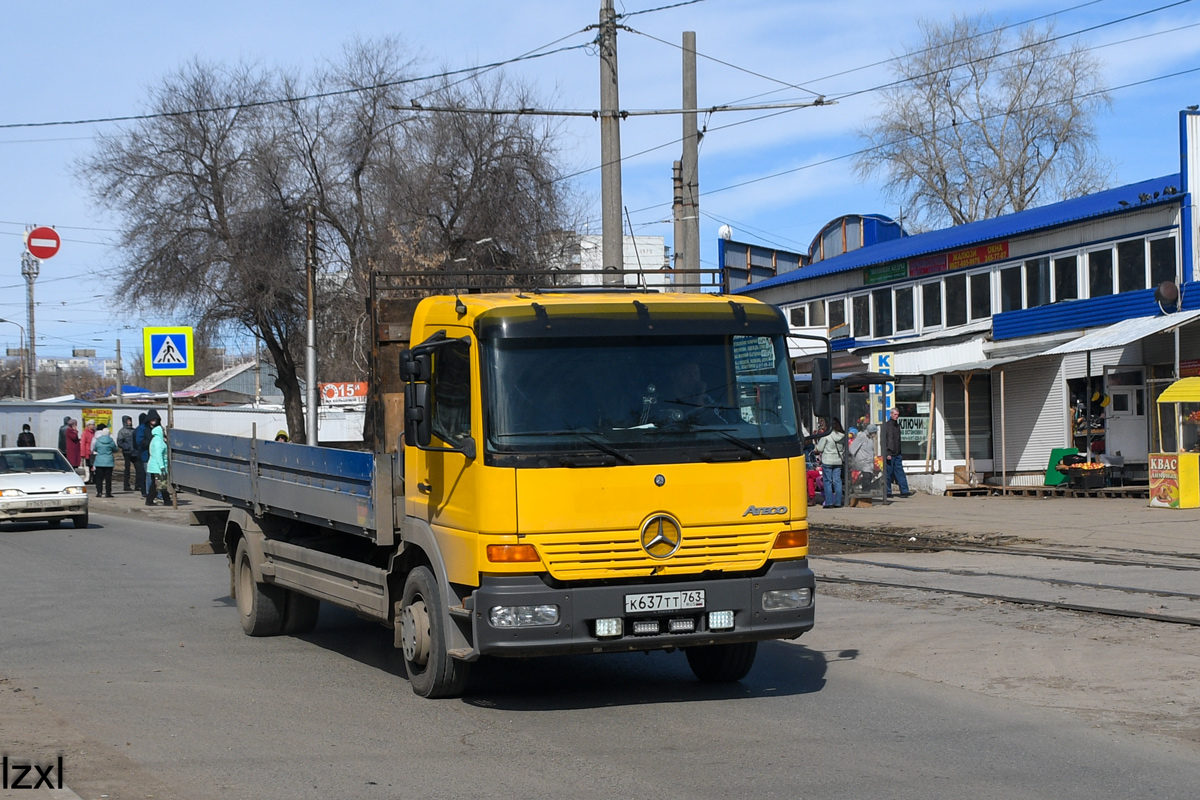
(507, 553)
(791, 539)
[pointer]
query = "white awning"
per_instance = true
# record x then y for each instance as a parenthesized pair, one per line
(977, 366)
(1125, 332)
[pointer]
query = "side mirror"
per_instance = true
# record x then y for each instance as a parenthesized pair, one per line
(821, 386)
(418, 427)
(416, 366)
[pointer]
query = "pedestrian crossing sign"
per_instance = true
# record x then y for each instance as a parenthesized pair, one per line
(168, 351)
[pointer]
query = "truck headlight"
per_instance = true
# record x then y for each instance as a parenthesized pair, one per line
(522, 616)
(784, 599)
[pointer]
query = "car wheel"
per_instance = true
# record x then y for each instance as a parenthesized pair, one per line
(53, 523)
(80, 520)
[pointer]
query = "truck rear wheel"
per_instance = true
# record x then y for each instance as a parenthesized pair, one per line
(431, 670)
(722, 663)
(261, 607)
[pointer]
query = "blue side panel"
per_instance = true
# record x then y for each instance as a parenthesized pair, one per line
(1191, 295)
(1091, 313)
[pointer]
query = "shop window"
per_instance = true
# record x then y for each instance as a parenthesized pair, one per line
(837, 312)
(912, 400)
(1131, 265)
(816, 313)
(1162, 261)
(798, 316)
(931, 304)
(860, 305)
(981, 295)
(1066, 279)
(905, 313)
(1037, 282)
(1100, 273)
(881, 302)
(1010, 289)
(954, 393)
(956, 300)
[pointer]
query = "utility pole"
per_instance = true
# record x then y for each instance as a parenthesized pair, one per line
(678, 234)
(612, 235)
(310, 361)
(30, 267)
(690, 172)
(120, 374)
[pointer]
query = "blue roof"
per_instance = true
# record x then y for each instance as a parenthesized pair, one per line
(1110, 201)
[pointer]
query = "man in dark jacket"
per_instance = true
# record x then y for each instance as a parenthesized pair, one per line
(126, 446)
(141, 447)
(26, 438)
(62, 436)
(895, 461)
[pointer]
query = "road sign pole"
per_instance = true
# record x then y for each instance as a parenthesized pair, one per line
(171, 427)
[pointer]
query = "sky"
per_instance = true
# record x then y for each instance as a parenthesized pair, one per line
(776, 177)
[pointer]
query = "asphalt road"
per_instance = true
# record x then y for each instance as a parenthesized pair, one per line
(131, 646)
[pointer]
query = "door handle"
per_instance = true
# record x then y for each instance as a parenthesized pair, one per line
(424, 488)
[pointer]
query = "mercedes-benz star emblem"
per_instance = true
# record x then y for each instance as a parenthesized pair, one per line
(661, 536)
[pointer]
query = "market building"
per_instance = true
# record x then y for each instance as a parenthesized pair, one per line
(1054, 327)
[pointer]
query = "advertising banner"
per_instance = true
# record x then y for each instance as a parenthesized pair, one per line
(974, 256)
(343, 394)
(1175, 480)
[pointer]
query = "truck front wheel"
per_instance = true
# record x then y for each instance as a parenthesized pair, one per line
(722, 663)
(431, 670)
(260, 606)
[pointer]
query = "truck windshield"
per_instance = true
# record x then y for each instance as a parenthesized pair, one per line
(644, 399)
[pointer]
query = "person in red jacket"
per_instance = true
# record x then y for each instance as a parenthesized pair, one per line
(73, 443)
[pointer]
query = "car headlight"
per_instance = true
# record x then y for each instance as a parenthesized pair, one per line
(74, 490)
(12, 493)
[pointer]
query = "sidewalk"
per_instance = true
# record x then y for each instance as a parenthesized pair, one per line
(130, 503)
(1125, 523)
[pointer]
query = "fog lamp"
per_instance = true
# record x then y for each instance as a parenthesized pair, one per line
(783, 599)
(686, 625)
(522, 616)
(720, 620)
(645, 627)
(608, 626)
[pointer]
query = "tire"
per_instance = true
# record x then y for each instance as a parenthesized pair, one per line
(301, 613)
(722, 663)
(53, 523)
(261, 607)
(431, 670)
(80, 520)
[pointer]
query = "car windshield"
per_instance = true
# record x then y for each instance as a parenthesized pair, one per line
(640, 399)
(24, 461)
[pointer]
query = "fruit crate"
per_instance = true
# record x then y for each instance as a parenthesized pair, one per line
(1088, 479)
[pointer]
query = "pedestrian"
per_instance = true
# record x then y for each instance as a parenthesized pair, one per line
(281, 437)
(141, 446)
(862, 456)
(62, 436)
(125, 445)
(895, 461)
(831, 447)
(104, 459)
(156, 466)
(25, 438)
(85, 446)
(72, 443)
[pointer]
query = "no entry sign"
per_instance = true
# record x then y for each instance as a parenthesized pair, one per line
(42, 242)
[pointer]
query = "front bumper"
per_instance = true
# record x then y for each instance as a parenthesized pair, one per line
(34, 508)
(579, 607)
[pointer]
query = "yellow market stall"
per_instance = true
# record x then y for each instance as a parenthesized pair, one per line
(1175, 477)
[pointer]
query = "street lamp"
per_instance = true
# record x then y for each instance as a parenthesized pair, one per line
(24, 354)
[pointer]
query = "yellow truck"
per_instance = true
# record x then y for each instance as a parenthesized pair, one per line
(553, 472)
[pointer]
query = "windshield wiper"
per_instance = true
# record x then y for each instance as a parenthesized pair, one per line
(591, 437)
(724, 433)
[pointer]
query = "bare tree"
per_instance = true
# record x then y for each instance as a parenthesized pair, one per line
(213, 187)
(980, 125)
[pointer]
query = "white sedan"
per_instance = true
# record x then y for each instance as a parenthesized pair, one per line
(37, 484)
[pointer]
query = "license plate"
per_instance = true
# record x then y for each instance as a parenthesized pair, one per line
(42, 503)
(664, 601)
